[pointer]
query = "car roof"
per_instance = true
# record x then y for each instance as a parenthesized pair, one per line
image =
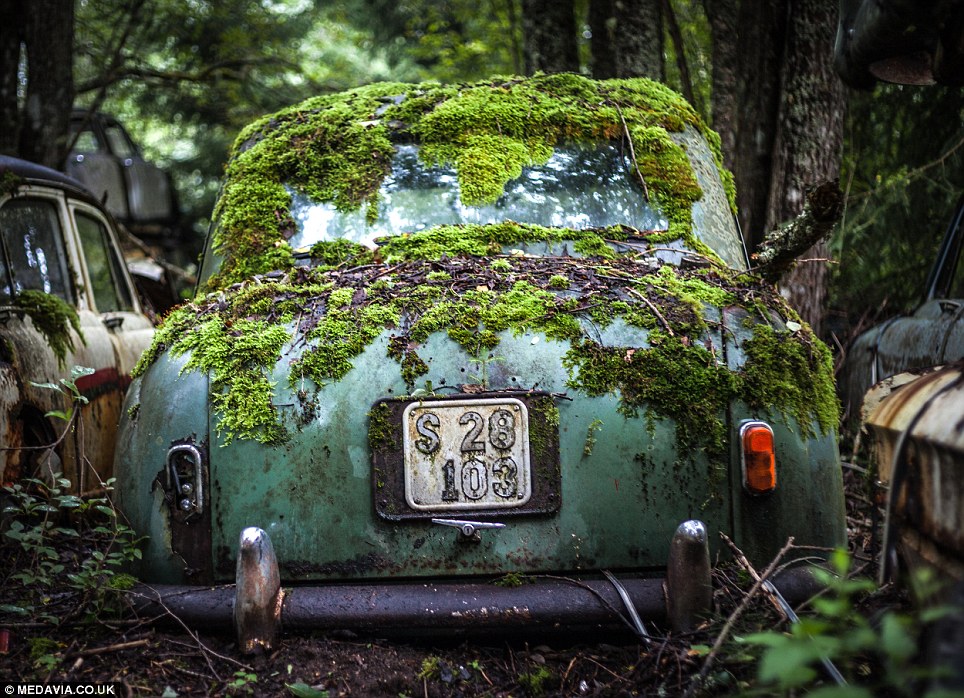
(38, 174)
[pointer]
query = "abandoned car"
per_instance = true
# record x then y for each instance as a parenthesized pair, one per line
(470, 357)
(933, 334)
(66, 300)
(106, 159)
(917, 444)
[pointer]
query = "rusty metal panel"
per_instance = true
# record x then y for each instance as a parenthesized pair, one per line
(491, 454)
(918, 442)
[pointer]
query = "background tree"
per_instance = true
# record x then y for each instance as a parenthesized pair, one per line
(549, 30)
(627, 38)
(36, 78)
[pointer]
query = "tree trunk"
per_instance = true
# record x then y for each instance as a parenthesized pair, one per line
(627, 38)
(49, 43)
(43, 34)
(549, 28)
(779, 110)
(808, 141)
(723, 16)
(11, 36)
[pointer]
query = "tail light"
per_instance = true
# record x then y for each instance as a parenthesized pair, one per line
(759, 458)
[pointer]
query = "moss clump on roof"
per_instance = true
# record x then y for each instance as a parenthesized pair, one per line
(337, 149)
(53, 317)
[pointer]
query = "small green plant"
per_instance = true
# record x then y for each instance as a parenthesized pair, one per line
(533, 682)
(482, 378)
(303, 690)
(67, 386)
(44, 652)
(594, 426)
(241, 683)
(46, 522)
(431, 668)
(511, 580)
(39, 513)
(877, 659)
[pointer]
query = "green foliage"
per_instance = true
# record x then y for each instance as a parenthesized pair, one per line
(534, 682)
(68, 388)
(902, 186)
(303, 690)
(837, 632)
(37, 511)
(591, 431)
(242, 683)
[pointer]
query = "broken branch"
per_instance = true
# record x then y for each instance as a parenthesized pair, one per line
(821, 211)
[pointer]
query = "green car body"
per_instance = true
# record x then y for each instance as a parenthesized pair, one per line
(572, 392)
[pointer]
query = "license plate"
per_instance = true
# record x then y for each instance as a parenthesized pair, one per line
(489, 455)
(465, 455)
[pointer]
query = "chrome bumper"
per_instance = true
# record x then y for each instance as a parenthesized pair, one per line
(259, 608)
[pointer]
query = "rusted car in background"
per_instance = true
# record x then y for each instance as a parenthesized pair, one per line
(143, 199)
(109, 163)
(915, 422)
(65, 300)
(930, 336)
(475, 357)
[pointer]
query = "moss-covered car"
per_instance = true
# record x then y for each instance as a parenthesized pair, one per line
(455, 335)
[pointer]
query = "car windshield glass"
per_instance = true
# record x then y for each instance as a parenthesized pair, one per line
(33, 240)
(577, 188)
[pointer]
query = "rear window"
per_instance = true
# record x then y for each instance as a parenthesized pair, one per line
(577, 188)
(580, 187)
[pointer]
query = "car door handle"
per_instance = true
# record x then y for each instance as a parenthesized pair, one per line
(113, 322)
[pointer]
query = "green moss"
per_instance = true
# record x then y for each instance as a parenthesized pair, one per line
(337, 149)
(53, 317)
(594, 426)
(9, 182)
(381, 433)
(792, 372)
(679, 376)
(672, 379)
(235, 355)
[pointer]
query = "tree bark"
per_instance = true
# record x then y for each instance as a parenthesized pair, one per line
(807, 147)
(11, 36)
(549, 28)
(43, 36)
(779, 110)
(627, 38)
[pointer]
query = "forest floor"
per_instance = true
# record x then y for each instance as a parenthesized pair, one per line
(146, 660)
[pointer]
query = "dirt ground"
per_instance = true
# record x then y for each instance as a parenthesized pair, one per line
(151, 661)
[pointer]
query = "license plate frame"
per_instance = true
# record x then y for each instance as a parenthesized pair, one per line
(393, 435)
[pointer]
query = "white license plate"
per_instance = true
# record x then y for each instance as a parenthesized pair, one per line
(466, 454)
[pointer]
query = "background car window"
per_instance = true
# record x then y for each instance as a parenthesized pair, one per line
(86, 142)
(106, 279)
(34, 243)
(120, 144)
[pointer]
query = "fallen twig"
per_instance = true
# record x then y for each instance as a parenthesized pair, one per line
(728, 626)
(111, 648)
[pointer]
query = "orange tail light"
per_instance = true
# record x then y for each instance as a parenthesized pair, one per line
(759, 458)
